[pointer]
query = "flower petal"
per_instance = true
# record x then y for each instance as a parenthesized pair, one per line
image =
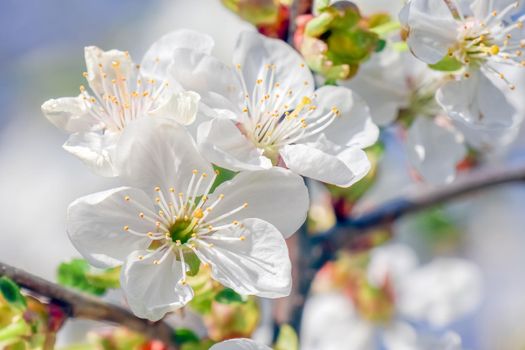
(214, 81)
(223, 144)
(158, 152)
(256, 54)
(95, 225)
(69, 114)
(432, 29)
(96, 150)
(441, 292)
(330, 322)
(160, 54)
(151, 289)
(354, 126)
(239, 344)
(480, 109)
(401, 335)
(181, 106)
(275, 195)
(107, 65)
(390, 262)
(258, 264)
(435, 150)
(326, 162)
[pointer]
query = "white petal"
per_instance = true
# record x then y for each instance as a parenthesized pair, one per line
(96, 150)
(181, 106)
(69, 114)
(160, 54)
(153, 290)
(323, 161)
(258, 265)
(95, 225)
(222, 143)
(275, 195)
(441, 292)
(99, 62)
(214, 81)
(383, 85)
(239, 344)
(400, 335)
(432, 29)
(159, 152)
(354, 126)
(480, 109)
(254, 52)
(435, 150)
(392, 262)
(330, 322)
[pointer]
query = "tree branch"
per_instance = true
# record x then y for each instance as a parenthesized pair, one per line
(83, 306)
(392, 210)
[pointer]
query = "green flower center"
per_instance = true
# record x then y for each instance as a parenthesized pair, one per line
(181, 231)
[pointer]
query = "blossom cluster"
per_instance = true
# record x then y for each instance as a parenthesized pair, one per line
(169, 128)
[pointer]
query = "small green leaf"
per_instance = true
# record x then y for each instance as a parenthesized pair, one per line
(193, 262)
(184, 335)
(11, 293)
(287, 339)
(447, 64)
(223, 176)
(202, 301)
(229, 296)
(74, 274)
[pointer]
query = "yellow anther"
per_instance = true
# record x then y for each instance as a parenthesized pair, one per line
(306, 101)
(245, 110)
(494, 13)
(305, 83)
(172, 189)
(221, 196)
(157, 200)
(195, 171)
(210, 228)
(178, 243)
(157, 224)
(198, 214)
(157, 189)
(161, 213)
(217, 171)
(245, 205)
(113, 81)
(141, 215)
(85, 74)
(238, 66)
(82, 88)
(126, 228)
(336, 111)
(494, 50)
(92, 100)
(183, 282)
(235, 222)
(301, 65)
(145, 94)
(466, 75)
(204, 175)
(242, 238)
(277, 85)
(156, 262)
(150, 234)
(259, 81)
(140, 257)
(115, 64)
(127, 198)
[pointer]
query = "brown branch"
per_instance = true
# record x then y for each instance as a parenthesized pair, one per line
(420, 200)
(83, 306)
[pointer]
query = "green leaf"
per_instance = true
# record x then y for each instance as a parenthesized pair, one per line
(229, 296)
(287, 339)
(184, 335)
(447, 64)
(75, 273)
(201, 302)
(11, 293)
(193, 262)
(223, 176)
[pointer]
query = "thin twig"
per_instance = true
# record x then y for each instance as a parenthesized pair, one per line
(83, 306)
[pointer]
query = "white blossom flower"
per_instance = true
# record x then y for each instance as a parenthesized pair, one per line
(267, 113)
(239, 344)
(169, 218)
(120, 92)
(438, 293)
(480, 37)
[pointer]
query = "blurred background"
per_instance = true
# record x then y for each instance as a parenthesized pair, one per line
(41, 57)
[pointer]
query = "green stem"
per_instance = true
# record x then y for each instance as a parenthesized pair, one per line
(14, 331)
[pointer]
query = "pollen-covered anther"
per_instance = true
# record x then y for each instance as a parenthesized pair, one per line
(235, 222)
(336, 111)
(156, 262)
(183, 282)
(127, 198)
(157, 189)
(494, 50)
(245, 110)
(198, 214)
(141, 215)
(140, 257)
(150, 234)
(242, 238)
(195, 171)
(259, 81)
(126, 228)
(245, 205)
(178, 243)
